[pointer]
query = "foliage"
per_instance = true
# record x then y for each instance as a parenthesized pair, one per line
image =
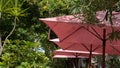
(89, 8)
(3, 8)
(113, 61)
(49, 7)
(58, 63)
(28, 30)
(21, 53)
(14, 10)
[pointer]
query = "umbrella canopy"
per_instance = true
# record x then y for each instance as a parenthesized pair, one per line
(65, 26)
(64, 54)
(60, 53)
(110, 49)
(67, 56)
(73, 31)
(90, 50)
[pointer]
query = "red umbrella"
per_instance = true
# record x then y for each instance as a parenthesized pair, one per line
(60, 53)
(64, 26)
(69, 54)
(110, 49)
(72, 30)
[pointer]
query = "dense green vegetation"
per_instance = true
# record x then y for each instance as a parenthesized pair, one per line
(23, 38)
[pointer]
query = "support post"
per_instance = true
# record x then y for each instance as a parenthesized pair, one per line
(90, 56)
(104, 47)
(76, 60)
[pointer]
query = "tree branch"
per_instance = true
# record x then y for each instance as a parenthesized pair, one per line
(4, 43)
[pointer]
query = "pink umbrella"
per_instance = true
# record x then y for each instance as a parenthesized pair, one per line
(110, 49)
(73, 54)
(60, 53)
(73, 30)
(64, 26)
(69, 54)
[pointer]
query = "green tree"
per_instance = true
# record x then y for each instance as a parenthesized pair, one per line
(12, 12)
(21, 53)
(22, 17)
(3, 9)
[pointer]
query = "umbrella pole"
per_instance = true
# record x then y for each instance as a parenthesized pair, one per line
(104, 47)
(90, 56)
(49, 34)
(76, 61)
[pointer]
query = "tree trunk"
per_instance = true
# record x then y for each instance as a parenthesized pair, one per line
(4, 43)
(0, 38)
(0, 45)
